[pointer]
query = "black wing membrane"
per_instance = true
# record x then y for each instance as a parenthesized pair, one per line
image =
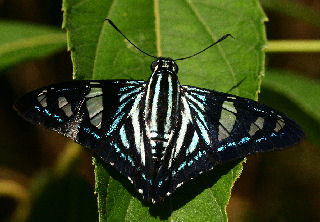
(220, 127)
(104, 116)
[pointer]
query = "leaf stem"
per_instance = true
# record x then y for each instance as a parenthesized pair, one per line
(282, 46)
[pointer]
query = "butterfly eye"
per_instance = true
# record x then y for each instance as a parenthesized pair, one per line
(154, 64)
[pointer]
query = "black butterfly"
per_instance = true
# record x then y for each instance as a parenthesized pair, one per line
(159, 134)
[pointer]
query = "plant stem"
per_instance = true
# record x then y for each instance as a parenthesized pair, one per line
(282, 46)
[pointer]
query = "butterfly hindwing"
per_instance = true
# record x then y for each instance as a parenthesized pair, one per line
(190, 154)
(185, 158)
(190, 147)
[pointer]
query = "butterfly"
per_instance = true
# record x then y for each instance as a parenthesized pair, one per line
(158, 133)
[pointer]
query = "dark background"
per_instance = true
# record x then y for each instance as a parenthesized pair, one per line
(281, 186)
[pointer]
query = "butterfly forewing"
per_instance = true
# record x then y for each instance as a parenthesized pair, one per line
(239, 127)
(105, 116)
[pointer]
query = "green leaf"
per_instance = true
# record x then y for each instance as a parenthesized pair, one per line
(99, 52)
(304, 93)
(24, 42)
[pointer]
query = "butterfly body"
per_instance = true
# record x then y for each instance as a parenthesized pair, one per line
(158, 133)
(161, 108)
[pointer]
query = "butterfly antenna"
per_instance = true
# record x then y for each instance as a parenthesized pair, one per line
(219, 40)
(116, 28)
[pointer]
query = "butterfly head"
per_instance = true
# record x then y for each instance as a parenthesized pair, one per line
(165, 64)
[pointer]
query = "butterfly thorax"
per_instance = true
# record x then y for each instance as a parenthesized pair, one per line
(161, 107)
